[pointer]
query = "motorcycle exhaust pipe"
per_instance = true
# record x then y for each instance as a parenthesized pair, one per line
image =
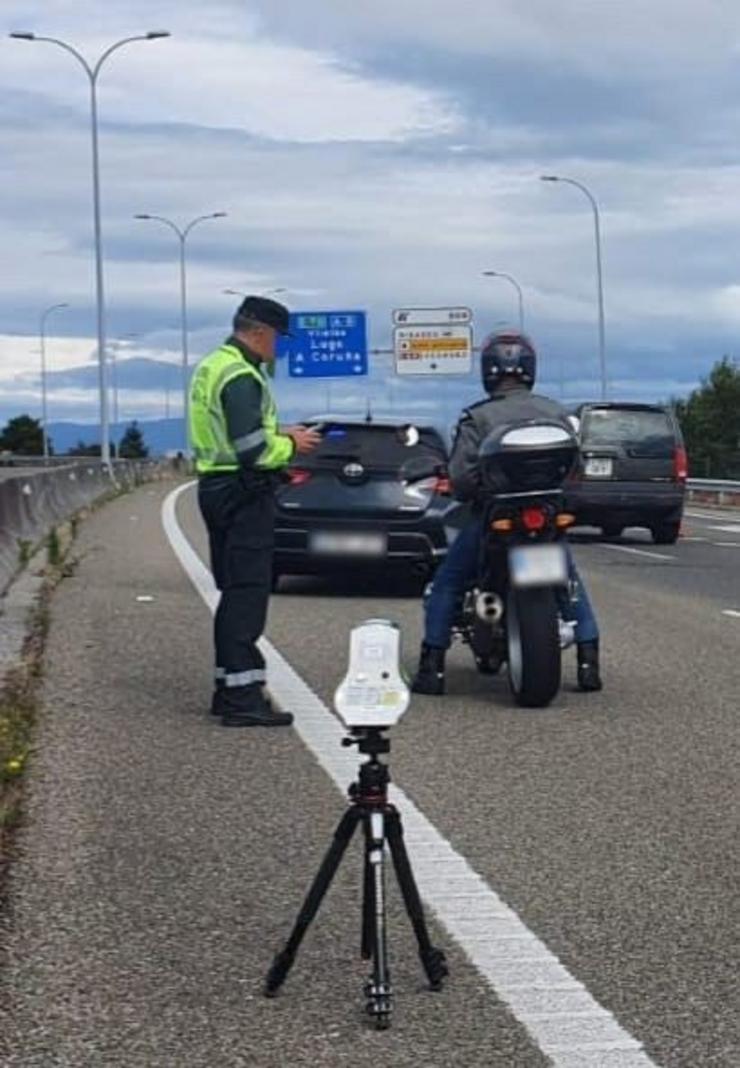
(489, 607)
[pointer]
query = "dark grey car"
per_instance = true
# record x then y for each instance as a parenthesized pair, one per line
(364, 500)
(632, 470)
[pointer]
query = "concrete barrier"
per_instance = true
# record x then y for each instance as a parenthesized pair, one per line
(33, 503)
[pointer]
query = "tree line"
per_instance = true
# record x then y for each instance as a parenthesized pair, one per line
(24, 436)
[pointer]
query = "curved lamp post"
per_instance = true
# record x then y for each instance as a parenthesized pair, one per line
(42, 337)
(599, 280)
(182, 236)
(520, 295)
(92, 73)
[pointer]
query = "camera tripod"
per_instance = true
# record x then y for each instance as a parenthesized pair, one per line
(381, 823)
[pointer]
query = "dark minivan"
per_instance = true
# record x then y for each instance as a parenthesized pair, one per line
(632, 469)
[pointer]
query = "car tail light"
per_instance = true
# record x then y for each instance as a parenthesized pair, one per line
(680, 464)
(443, 486)
(564, 520)
(298, 475)
(533, 518)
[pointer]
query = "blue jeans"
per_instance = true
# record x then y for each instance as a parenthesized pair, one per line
(459, 570)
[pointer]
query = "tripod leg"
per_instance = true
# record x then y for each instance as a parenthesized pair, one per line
(432, 959)
(284, 960)
(368, 898)
(378, 990)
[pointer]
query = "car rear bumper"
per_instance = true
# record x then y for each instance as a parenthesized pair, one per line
(594, 502)
(421, 548)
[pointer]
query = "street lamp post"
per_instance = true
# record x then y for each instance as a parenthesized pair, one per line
(114, 349)
(182, 235)
(599, 279)
(92, 73)
(520, 295)
(263, 293)
(42, 337)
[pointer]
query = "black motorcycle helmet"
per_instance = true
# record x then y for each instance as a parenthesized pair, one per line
(507, 352)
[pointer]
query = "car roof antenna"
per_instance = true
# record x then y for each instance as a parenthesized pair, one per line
(369, 412)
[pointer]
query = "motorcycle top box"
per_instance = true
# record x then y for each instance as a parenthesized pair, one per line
(527, 456)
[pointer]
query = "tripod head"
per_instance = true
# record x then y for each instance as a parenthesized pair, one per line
(369, 740)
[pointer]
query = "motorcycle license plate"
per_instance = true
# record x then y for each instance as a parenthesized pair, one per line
(538, 565)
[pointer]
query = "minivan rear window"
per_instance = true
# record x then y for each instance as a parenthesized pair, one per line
(373, 446)
(639, 431)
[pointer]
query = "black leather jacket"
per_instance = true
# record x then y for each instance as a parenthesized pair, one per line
(509, 405)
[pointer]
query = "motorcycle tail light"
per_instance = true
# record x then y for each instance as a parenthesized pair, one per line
(533, 518)
(502, 525)
(680, 464)
(564, 519)
(298, 476)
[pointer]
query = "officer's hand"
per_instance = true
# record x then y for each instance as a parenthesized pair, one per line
(305, 439)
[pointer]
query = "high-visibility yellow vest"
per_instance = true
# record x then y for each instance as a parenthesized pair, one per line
(213, 449)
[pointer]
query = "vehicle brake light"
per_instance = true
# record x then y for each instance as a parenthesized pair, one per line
(298, 475)
(533, 518)
(443, 486)
(680, 464)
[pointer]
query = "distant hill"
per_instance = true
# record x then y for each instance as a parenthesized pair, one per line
(160, 435)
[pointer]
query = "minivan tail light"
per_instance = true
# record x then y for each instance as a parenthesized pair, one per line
(298, 476)
(680, 464)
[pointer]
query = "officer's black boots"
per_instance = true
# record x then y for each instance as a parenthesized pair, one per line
(589, 678)
(430, 675)
(239, 708)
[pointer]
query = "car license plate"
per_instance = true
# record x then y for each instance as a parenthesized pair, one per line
(599, 467)
(330, 543)
(538, 565)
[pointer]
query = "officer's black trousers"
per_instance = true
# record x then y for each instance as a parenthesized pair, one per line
(241, 535)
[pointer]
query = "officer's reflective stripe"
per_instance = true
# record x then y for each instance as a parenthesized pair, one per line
(244, 678)
(249, 441)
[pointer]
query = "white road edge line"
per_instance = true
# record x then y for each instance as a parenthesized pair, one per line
(638, 552)
(561, 1016)
(732, 612)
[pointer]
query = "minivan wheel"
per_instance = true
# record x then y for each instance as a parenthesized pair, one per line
(666, 533)
(612, 530)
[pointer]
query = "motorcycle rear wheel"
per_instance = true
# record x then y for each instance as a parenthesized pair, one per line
(533, 644)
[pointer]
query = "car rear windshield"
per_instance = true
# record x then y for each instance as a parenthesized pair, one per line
(373, 446)
(640, 431)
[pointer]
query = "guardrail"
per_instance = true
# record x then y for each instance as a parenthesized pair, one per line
(33, 502)
(721, 492)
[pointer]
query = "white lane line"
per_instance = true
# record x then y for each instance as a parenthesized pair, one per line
(638, 552)
(559, 1013)
(732, 528)
(717, 516)
(732, 612)
(727, 544)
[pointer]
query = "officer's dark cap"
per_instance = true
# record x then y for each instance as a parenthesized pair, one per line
(266, 311)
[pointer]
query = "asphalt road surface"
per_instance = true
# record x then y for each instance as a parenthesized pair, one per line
(164, 858)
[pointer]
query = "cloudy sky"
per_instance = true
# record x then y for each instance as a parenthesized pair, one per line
(373, 156)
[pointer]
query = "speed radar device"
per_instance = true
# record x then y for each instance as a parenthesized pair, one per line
(373, 693)
(371, 698)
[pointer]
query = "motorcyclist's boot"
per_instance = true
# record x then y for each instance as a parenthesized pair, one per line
(589, 678)
(430, 675)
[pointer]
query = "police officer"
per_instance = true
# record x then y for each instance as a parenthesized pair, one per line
(239, 451)
(508, 370)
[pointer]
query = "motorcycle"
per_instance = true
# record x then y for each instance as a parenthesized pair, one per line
(514, 611)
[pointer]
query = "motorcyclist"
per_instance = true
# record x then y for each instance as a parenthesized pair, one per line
(508, 370)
